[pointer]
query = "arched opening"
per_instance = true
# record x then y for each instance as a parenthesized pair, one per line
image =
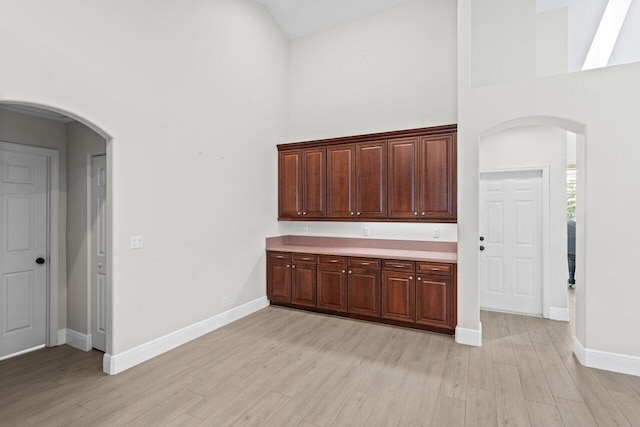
(76, 224)
(516, 153)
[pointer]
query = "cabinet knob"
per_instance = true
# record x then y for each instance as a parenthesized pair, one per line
(343, 271)
(419, 278)
(304, 213)
(351, 213)
(415, 213)
(293, 266)
(288, 265)
(298, 213)
(350, 272)
(358, 214)
(410, 277)
(424, 213)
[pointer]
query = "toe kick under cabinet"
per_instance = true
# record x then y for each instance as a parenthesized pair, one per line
(414, 294)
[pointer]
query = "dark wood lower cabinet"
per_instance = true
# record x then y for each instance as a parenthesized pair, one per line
(398, 296)
(332, 288)
(418, 295)
(303, 284)
(364, 292)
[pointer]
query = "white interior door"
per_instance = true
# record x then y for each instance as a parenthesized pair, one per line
(99, 252)
(23, 233)
(511, 224)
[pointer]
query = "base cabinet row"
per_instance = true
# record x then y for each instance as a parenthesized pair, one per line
(405, 293)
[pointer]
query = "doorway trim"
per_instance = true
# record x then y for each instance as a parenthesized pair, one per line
(546, 282)
(52, 157)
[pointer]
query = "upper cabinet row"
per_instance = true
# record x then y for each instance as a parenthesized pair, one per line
(395, 176)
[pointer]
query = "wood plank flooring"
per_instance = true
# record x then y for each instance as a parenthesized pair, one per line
(282, 367)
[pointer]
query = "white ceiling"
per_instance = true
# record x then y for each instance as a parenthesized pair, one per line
(299, 18)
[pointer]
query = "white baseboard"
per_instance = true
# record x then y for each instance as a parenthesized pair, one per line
(62, 336)
(115, 363)
(615, 362)
(469, 336)
(557, 313)
(77, 339)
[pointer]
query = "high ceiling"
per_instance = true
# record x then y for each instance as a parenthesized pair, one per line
(299, 18)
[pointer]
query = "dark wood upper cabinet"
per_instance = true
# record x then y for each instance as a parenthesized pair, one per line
(393, 176)
(341, 174)
(371, 179)
(436, 176)
(290, 183)
(403, 159)
(314, 183)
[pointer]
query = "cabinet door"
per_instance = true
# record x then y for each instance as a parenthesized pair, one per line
(371, 180)
(332, 288)
(434, 300)
(314, 183)
(398, 296)
(364, 292)
(437, 177)
(341, 181)
(290, 184)
(279, 281)
(303, 284)
(403, 157)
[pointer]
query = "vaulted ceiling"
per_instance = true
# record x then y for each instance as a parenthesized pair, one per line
(299, 18)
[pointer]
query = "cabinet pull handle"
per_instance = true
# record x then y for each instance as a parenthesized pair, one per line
(305, 259)
(399, 266)
(279, 256)
(435, 269)
(364, 263)
(333, 260)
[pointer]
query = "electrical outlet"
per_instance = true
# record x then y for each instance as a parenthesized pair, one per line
(436, 233)
(306, 230)
(137, 242)
(366, 231)
(225, 302)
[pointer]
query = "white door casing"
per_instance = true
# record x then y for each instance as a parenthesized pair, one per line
(511, 222)
(23, 237)
(98, 256)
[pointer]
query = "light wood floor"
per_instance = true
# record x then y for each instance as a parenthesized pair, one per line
(281, 367)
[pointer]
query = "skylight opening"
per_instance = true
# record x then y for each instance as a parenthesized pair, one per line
(607, 34)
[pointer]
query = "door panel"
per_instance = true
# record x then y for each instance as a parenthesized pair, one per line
(434, 301)
(398, 296)
(436, 177)
(341, 169)
(303, 285)
(511, 223)
(364, 292)
(314, 193)
(279, 281)
(332, 288)
(403, 157)
(290, 183)
(23, 228)
(99, 252)
(371, 180)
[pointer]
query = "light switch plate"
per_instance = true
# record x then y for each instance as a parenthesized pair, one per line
(137, 242)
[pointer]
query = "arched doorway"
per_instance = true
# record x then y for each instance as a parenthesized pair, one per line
(35, 128)
(527, 145)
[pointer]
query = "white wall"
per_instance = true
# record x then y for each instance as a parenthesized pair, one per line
(194, 96)
(81, 143)
(605, 102)
(530, 147)
(40, 132)
(393, 70)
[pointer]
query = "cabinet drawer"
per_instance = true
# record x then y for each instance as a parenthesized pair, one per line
(280, 256)
(304, 258)
(368, 263)
(395, 265)
(434, 268)
(332, 260)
